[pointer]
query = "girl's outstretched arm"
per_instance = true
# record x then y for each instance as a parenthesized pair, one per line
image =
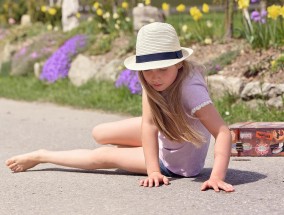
(150, 147)
(212, 120)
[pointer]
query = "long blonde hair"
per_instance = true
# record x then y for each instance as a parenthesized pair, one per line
(167, 110)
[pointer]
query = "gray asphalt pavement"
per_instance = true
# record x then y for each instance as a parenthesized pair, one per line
(49, 189)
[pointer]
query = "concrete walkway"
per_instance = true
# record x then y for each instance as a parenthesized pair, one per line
(49, 189)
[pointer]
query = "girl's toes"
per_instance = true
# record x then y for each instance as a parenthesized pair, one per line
(9, 162)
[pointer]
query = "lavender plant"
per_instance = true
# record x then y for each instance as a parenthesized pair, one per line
(58, 65)
(130, 80)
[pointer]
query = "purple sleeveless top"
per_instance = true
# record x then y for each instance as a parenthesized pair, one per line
(184, 158)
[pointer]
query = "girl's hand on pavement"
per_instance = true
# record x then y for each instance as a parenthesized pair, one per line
(154, 179)
(217, 184)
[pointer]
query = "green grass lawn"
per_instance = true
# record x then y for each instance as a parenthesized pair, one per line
(105, 96)
(94, 95)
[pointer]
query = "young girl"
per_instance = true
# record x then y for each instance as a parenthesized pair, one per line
(171, 138)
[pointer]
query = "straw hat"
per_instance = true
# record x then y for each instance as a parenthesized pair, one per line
(157, 46)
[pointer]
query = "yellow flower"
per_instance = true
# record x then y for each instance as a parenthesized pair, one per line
(184, 28)
(99, 12)
(205, 8)
(49, 27)
(282, 11)
(243, 4)
(273, 11)
(124, 5)
(78, 15)
(147, 2)
(180, 8)
(6, 6)
(115, 16)
(116, 26)
(165, 6)
(195, 13)
(43, 8)
(209, 24)
(96, 5)
(273, 63)
(52, 11)
(208, 41)
(106, 15)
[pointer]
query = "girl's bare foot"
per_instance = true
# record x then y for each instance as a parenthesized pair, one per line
(23, 162)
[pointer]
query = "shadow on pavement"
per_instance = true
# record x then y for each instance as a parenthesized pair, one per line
(234, 176)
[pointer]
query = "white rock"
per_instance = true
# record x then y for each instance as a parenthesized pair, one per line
(26, 20)
(83, 69)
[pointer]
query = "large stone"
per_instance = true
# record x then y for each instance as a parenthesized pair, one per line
(270, 90)
(260, 90)
(110, 70)
(69, 11)
(251, 90)
(83, 69)
(26, 20)
(143, 15)
(275, 102)
(219, 85)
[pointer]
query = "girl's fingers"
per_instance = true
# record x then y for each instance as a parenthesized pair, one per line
(145, 184)
(157, 183)
(165, 180)
(215, 187)
(204, 186)
(150, 182)
(227, 187)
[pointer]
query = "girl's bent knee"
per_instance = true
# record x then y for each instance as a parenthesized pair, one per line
(98, 134)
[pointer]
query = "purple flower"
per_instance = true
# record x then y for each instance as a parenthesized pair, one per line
(259, 16)
(58, 65)
(34, 55)
(254, 1)
(130, 80)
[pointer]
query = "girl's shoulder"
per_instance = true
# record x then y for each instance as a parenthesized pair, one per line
(194, 90)
(196, 75)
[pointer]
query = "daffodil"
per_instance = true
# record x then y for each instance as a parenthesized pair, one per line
(209, 24)
(49, 27)
(52, 11)
(195, 13)
(282, 11)
(273, 64)
(180, 8)
(106, 15)
(43, 9)
(78, 15)
(165, 6)
(205, 8)
(116, 26)
(6, 6)
(90, 18)
(147, 2)
(208, 41)
(99, 12)
(127, 19)
(115, 16)
(124, 5)
(243, 4)
(96, 5)
(273, 11)
(184, 28)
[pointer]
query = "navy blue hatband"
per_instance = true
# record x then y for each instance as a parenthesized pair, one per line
(159, 56)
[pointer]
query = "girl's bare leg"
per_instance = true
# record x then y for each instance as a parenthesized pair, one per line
(130, 159)
(125, 133)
